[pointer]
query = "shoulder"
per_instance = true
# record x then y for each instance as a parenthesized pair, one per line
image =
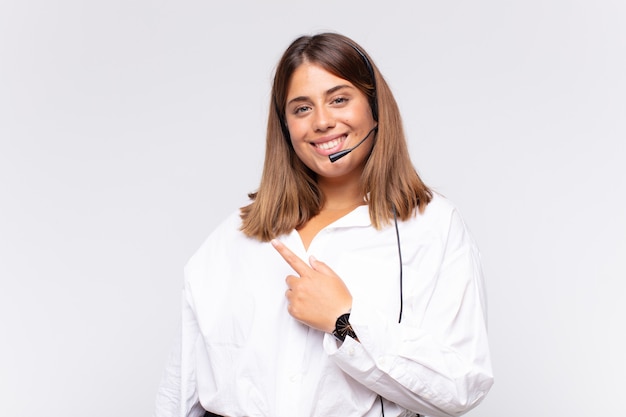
(451, 222)
(440, 220)
(440, 206)
(438, 212)
(226, 235)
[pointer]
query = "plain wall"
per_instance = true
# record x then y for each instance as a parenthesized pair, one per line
(129, 129)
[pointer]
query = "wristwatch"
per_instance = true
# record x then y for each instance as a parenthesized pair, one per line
(343, 328)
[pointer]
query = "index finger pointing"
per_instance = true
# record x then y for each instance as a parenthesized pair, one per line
(291, 258)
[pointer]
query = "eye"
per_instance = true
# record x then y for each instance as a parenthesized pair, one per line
(340, 100)
(301, 109)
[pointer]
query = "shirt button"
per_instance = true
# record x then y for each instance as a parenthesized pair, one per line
(351, 351)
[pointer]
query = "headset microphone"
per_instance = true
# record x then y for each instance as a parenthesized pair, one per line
(338, 155)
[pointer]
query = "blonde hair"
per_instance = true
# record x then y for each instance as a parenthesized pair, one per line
(288, 195)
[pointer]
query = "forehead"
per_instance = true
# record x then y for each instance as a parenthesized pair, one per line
(311, 79)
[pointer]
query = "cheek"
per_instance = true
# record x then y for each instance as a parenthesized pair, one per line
(296, 132)
(296, 142)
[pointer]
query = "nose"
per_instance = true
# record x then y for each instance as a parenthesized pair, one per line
(323, 119)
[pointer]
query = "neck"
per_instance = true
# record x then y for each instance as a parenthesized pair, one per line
(340, 195)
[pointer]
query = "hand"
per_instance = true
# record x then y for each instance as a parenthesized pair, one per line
(317, 296)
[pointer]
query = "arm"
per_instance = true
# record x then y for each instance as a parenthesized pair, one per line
(177, 395)
(436, 362)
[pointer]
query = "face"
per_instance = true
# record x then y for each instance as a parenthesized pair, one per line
(326, 114)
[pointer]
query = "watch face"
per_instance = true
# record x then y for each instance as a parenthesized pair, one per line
(343, 328)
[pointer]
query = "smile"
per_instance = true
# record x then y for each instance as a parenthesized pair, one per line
(331, 144)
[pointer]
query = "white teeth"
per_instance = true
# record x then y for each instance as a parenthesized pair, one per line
(330, 144)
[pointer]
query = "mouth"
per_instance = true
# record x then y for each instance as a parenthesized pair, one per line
(330, 145)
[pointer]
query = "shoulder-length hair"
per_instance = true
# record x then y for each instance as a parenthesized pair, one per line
(288, 195)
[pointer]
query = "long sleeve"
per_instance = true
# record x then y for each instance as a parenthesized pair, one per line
(177, 395)
(436, 361)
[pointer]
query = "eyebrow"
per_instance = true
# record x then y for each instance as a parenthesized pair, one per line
(328, 92)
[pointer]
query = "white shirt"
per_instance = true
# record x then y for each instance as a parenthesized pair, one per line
(242, 355)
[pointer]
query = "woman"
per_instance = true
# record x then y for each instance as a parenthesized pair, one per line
(391, 320)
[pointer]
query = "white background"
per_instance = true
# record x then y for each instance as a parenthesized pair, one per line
(128, 129)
